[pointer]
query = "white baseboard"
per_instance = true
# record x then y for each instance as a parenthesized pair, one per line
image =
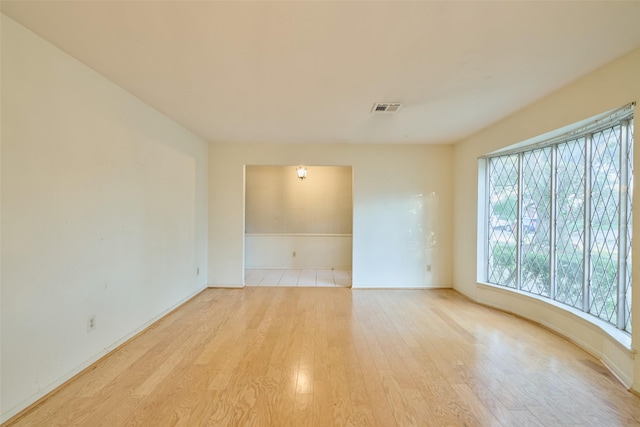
(44, 392)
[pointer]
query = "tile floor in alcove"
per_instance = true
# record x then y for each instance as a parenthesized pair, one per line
(311, 278)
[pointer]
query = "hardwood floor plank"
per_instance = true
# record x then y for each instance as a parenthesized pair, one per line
(362, 408)
(276, 356)
(476, 410)
(322, 411)
(303, 409)
(402, 411)
(340, 397)
(160, 405)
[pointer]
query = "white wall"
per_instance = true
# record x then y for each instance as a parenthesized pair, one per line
(401, 213)
(298, 251)
(292, 223)
(610, 87)
(104, 212)
(277, 201)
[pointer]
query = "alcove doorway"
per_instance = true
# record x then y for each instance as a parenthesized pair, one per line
(298, 232)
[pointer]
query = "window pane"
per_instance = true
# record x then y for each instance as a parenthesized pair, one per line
(586, 181)
(605, 182)
(503, 211)
(535, 219)
(570, 223)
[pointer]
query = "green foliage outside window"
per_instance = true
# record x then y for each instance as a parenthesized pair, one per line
(565, 201)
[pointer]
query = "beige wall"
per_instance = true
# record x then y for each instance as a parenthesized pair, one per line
(298, 224)
(610, 87)
(277, 201)
(401, 209)
(104, 213)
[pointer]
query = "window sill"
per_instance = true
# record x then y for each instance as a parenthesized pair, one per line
(620, 337)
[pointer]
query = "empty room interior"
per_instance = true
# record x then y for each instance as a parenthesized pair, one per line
(319, 213)
(298, 226)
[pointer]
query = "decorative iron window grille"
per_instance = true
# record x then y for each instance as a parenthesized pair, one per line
(558, 218)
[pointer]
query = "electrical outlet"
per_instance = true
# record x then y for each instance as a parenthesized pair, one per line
(198, 271)
(293, 254)
(429, 268)
(91, 323)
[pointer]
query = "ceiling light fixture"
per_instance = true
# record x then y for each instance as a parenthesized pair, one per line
(302, 172)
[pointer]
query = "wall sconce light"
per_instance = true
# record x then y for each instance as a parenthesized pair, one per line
(302, 172)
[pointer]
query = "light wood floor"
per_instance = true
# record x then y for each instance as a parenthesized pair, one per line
(335, 356)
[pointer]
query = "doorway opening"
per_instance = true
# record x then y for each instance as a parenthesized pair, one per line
(298, 232)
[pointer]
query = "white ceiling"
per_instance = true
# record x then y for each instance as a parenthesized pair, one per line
(309, 72)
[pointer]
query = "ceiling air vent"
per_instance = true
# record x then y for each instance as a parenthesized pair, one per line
(386, 107)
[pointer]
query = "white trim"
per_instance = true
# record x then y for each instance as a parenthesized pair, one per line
(237, 286)
(482, 241)
(300, 234)
(402, 288)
